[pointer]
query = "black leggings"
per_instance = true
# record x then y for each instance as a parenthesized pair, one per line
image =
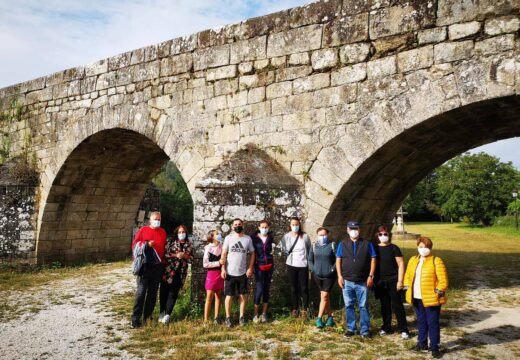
(391, 300)
(169, 294)
(299, 283)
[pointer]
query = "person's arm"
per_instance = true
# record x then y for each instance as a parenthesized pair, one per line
(205, 260)
(442, 275)
(408, 275)
(137, 237)
(188, 254)
(310, 258)
(223, 258)
(252, 256)
(400, 276)
(373, 263)
(338, 269)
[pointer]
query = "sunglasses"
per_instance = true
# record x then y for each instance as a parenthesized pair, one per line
(383, 234)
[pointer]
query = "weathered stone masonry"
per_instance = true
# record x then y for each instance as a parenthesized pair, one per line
(355, 100)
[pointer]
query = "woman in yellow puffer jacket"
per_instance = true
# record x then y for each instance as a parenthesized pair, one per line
(426, 281)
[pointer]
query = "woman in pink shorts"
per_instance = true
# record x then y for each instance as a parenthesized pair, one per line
(214, 282)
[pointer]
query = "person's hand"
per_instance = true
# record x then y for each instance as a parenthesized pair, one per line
(222, 262)
(150, 243)
(341, 282)
(399, 285)
(370, 282)
(249, 272)
(223, 273)
(180, 255)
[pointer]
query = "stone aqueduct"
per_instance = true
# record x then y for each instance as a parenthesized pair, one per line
(333, 110)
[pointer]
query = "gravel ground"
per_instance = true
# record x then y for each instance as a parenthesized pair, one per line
(67, 320)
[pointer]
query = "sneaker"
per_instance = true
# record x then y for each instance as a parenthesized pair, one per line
(241, 321)
(405, 335)
(436, 354)
(366, 336)
(330, 322)
(161, 316)
(350, 333)
(319, 323)
(216, 321)
(263, 319)
(228, 322)
(256, 319)
(165, 319)
(294, 313)
(382, 332)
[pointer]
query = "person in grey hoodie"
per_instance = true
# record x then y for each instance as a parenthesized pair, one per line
(296, 246)
(322, 264)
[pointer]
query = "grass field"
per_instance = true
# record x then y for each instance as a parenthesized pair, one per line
(489, 255)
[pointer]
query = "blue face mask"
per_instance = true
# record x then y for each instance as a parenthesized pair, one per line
(322, 240)
(219, 237)
(295, 228)
(155, 223)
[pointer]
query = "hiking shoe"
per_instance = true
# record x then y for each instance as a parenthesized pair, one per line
(256, 319)
(405, 335)
(263, 319)
(241, 321)
(436, 354)
(350, 333)
(330, 322)
(228, 322)
(382, 332)
(294, 313)
(319, 323)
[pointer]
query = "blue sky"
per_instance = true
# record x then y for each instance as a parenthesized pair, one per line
(39, 37)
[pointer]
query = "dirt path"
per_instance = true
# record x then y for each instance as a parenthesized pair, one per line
(69, 319)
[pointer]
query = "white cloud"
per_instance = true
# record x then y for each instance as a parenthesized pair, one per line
(41, 37)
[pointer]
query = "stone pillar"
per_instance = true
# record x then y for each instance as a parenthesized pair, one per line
(253, 187)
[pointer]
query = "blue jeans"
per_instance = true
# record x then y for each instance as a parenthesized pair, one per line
(428, 323)
(356, 292)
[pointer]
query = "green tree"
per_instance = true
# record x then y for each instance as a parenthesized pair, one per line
(421, 204)
(176, 201)
(475, 187)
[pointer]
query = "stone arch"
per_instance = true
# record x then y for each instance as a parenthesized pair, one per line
(91, 206)
(380, 183)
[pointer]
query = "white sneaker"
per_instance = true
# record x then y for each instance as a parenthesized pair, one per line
(405, 336)
(256, 319)
(166, 319)
(382, 333)
(263, 319)
(161, 317)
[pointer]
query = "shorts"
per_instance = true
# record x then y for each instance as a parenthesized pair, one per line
(325, 284)
(235, 285)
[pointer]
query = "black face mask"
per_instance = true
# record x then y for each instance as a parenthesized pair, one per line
(238, 229)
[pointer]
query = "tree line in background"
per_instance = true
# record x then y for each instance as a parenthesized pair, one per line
(176, 203)
(472, 188)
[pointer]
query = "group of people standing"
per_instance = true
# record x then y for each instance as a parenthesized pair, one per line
(356, 264)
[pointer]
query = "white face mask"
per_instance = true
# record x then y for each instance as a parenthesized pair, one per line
(354, 234)
(264, 231)
(181, 236)
(424, 251)
(155, 223)
(384, 239)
